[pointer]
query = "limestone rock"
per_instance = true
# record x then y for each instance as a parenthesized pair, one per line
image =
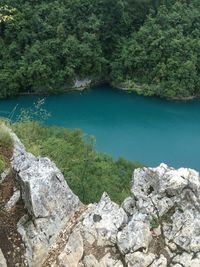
(90, 261)
(160, 262)
(106, 261)
(158, 226)
(139, 259)
(170, 199)
(48, 199)
(95, 235)
(82, 84)
(13, 200)
(73, 251)
(135, 235)
(129, 205)
(109, 261)
(2, 260)
(103, 222)
(44, 190)
(4, 174)
(186, 259)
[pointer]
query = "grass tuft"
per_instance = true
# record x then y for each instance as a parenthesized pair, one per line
(6, 149)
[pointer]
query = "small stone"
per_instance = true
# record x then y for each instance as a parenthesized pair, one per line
(3, 262)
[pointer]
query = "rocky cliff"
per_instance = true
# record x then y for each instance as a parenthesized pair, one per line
(157, 226)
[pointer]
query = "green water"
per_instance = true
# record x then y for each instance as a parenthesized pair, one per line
(148, 130)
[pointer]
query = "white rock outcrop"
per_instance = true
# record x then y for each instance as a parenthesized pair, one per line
(157, 226)
(82, 84)
(169, 200)
(49, 201)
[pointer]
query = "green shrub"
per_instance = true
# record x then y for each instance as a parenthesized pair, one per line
(87, 172)
(154, 223)
(5, 139)
(2, 164)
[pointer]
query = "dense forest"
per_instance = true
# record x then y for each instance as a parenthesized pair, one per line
(149, 46)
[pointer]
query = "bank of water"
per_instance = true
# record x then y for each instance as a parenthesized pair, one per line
(148, 130)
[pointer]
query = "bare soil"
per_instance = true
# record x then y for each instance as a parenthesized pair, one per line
(10, 240)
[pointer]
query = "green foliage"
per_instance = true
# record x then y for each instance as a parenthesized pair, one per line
(6, 13)
(37, 113)
(2, 164)
(6, 147)
(162, 58)
(46, 45)
(154, 223)
(88, 173)
(166, 217)
(5, 140)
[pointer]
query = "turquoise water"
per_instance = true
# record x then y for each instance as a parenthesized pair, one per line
(148, 130)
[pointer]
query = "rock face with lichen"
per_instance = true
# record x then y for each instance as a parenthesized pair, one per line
(47, 198)
(166, 211)
(158, 226)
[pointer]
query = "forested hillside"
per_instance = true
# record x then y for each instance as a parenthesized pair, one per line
(88, 172)
(151, 46)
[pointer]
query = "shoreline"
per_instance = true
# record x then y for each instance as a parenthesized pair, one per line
(80, 89)
(68, 90)
(100, 83)
(140, 93)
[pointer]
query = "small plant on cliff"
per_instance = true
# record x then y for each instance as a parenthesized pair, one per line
(5, 139)
(2, 164)
(6, 146)
(166, 217)
(35, 113)
(27, 121)
(154, 223)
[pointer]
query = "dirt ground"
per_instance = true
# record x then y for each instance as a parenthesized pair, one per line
(10, 240)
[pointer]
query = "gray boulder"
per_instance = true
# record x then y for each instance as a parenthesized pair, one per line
(103, 221)
(136, 235)
(93, 241)
(49, 201)
(73, 251)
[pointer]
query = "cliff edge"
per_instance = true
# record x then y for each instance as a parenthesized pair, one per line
(157, 226)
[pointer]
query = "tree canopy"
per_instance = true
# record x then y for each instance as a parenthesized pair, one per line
(151, 46)
(87, 172)
(162, 58)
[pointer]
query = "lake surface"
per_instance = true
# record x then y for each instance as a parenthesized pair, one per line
(148, 130)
